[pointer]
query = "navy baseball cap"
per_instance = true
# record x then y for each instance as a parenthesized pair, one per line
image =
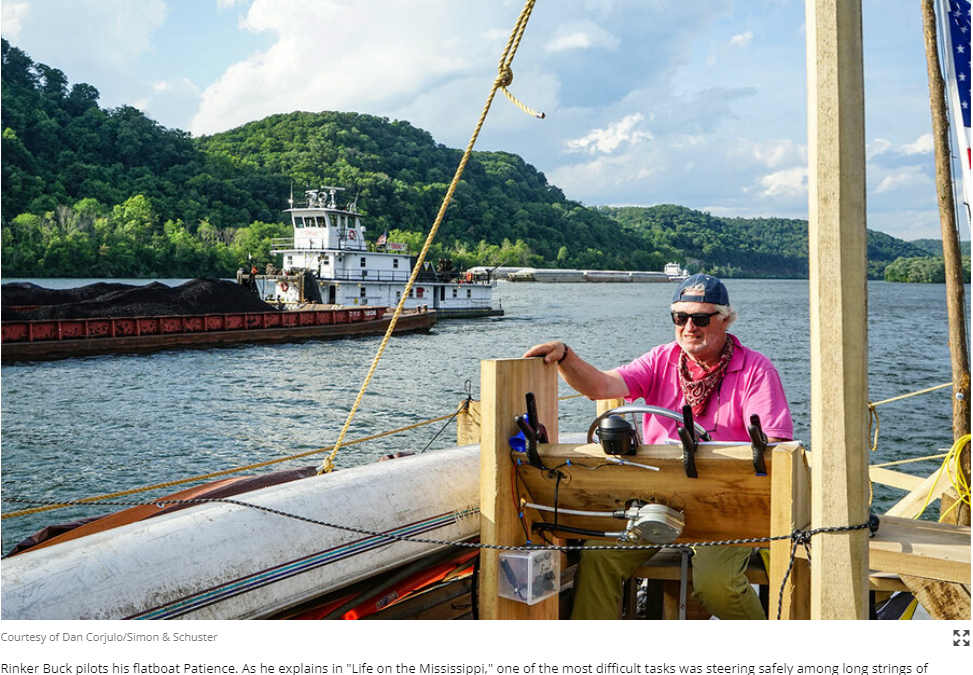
(702, 288)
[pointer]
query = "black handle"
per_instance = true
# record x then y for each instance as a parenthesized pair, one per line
(533, 420)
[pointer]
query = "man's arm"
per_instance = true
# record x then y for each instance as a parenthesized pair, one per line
(579, 374)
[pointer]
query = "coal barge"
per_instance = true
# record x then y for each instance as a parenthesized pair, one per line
(107, 318)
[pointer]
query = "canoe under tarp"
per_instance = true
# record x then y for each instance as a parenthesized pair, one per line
(221, 560)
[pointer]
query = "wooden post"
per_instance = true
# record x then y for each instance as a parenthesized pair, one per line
(839, 307)
(606, 404)
(468, 423)
(790, 510)
(504, 384)
(955, 276)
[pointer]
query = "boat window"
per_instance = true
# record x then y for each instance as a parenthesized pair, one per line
(469, 293)
(363, 262)
(454, 292)
(420, 291)
(298, 221)
(362, 292)
(395, 263)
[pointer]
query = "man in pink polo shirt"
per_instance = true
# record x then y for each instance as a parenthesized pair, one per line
(725, 383)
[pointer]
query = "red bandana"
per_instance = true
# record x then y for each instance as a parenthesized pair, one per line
(696, 392)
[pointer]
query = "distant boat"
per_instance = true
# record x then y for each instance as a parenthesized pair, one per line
(567, 276)
(329, 249)
(675, 273)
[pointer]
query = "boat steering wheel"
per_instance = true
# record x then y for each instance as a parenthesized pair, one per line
(645, 409)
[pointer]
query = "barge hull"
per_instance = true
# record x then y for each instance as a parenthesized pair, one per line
(37, 350)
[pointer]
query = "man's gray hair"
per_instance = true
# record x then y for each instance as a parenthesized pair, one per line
(728, 312)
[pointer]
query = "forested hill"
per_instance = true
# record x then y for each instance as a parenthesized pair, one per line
(90, 192)
(503, 210)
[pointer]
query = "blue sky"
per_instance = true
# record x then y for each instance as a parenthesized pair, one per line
(699, 103)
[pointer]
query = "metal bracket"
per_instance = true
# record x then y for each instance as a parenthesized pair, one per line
(689, 442)
(533, 430)
(758, 442)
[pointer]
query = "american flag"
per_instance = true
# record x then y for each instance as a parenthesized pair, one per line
(381, 240)
(956, 47)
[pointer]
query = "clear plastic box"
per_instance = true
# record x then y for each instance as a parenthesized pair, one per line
(529, 576)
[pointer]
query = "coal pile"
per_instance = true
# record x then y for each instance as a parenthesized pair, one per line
(21, 294)
(198, 296)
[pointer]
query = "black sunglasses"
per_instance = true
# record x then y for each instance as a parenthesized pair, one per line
(700, 320)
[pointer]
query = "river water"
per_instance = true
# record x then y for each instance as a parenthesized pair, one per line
(82, 427)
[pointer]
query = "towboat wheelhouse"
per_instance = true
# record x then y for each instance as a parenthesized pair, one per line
(329, 247)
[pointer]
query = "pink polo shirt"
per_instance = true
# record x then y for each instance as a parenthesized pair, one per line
(750, 386)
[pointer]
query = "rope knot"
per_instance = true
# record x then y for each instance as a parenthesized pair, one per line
(801, 537)
(505, 76)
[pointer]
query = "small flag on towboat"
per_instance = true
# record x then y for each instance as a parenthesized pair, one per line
(381, 240)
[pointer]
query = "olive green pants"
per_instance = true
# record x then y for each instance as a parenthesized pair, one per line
(719, 582)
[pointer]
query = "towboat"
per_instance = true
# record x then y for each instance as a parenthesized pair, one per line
(675, 272)
(328, 261)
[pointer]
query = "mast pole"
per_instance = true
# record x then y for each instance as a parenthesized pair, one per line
(955, 291)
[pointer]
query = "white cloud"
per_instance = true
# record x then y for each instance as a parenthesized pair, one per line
(96, 41)
(921, 146)
(785, 183)
(581, 35)
(742, 40)
(366, 65)
(170, 99)
(572, 41)
(910, 176)
(770, 154)
(614, 177)
(12, 15)
(607, 140)
(877, 147)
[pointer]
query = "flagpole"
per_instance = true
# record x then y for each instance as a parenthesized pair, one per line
(955, 291)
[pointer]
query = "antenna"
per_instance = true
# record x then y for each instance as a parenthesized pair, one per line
(331, 191)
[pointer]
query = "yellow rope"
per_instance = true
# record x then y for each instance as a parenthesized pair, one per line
(504, 77)
(956, 477)
(526, 109)
(873, 413)
(216, 474)
(910, 461)
(915, 393)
